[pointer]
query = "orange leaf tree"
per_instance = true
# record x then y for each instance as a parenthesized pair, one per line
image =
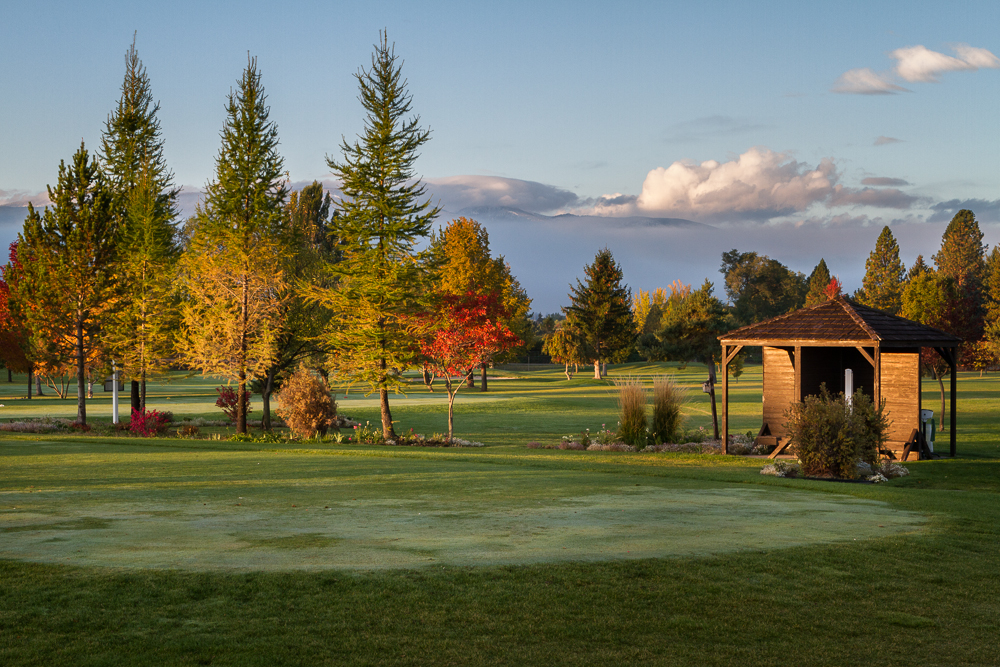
(467, 331)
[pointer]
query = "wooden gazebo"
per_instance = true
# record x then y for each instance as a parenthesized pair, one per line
(818, 344)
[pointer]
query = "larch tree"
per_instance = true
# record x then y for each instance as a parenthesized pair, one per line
(140, 335)
(882, 286)
(232, 272)
(601, 311)
(464, 266)
(381, 285)
(66, 283)
(818, 281)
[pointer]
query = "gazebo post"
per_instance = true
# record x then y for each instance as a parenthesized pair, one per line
(725, 400)
(953, 362)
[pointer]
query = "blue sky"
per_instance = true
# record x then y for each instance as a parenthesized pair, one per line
(795, 129)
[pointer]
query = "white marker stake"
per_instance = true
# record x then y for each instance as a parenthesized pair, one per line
(114, 393)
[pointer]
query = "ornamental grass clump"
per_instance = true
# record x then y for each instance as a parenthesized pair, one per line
(667, 401)
(306, 404)
(829, 435)
(632, 412)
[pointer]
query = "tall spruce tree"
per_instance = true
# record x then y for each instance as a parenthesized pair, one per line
(67, 262)
(141, 332)
(819, 279)
(601, 312)
(882, 286)
(381, 282)
(918, 269)
(232, 272)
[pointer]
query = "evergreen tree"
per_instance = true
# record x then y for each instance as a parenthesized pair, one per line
(65, 283)
(140, 335)
(602, 313)
(918, 269)
(962, 259)
(991, 293)
(381, 283)
(233, 271)
(884, 271)
(818, 281)
(311, 242)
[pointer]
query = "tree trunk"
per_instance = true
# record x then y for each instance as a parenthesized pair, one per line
(566, 371)
(451, 411)
(10, 377)
(265, 421)
(38, 385)
(142, 392)
(597, 369)
(31, 372)
(470, 379)
(135, 396)
(482, 384)
(428, 380)
(90, 384)
(387, 430)
(711, 393)
(81, 377)
(241, 404)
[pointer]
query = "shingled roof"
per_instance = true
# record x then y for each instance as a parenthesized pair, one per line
(840, 322)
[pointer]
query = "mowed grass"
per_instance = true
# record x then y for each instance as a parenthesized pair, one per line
(917, 587)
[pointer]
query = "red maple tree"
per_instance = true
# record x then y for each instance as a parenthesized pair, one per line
(467, 330)
(833, 290)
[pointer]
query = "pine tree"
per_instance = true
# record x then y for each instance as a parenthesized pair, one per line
(884, 272)
(962, 259)
(66, 279)
(991, 300)
(140, 335)
(381, 282)
(233, 269)
(918, 269)
(601, 311)
(818, 281)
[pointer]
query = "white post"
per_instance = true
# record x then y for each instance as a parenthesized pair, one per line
(849, 387)
(114, 393)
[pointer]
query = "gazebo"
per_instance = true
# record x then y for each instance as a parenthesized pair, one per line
(846, 346)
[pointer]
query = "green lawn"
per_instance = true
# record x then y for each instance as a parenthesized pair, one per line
(167, 551)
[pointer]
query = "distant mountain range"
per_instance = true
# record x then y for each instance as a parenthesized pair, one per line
(500, 213)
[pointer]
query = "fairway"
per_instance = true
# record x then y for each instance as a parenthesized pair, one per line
(314, 510)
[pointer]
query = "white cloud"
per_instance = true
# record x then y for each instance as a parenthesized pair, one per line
(885, 141)
(759, 184)
(918, 63)
(865, 81)
(23, 197)
(914, 64)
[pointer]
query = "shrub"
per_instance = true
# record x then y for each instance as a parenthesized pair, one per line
(147, 424)
(667, 401)
(306, 405)
(829, 437)
(227, 401)
(632, 412)
(369, 435)
(187, 431)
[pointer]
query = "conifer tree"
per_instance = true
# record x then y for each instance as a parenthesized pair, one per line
(818, 281)
(232, 272)
(918, 269)
(991, 293)
(601, 311)
(140, 335)
(65, 283)
(381, 282)
(882, 286)
(962, 259)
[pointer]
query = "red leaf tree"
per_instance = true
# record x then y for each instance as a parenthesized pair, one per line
(466, 331)
(13, 336)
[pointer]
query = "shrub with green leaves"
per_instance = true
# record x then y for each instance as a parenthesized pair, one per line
(829, 436)
(668, 398)
(306, 404)
(632, 412)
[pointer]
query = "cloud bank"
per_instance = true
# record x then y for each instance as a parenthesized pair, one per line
(914, 64)
(23, 198)
(458, 192)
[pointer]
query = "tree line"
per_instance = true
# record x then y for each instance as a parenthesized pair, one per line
(260, 280)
